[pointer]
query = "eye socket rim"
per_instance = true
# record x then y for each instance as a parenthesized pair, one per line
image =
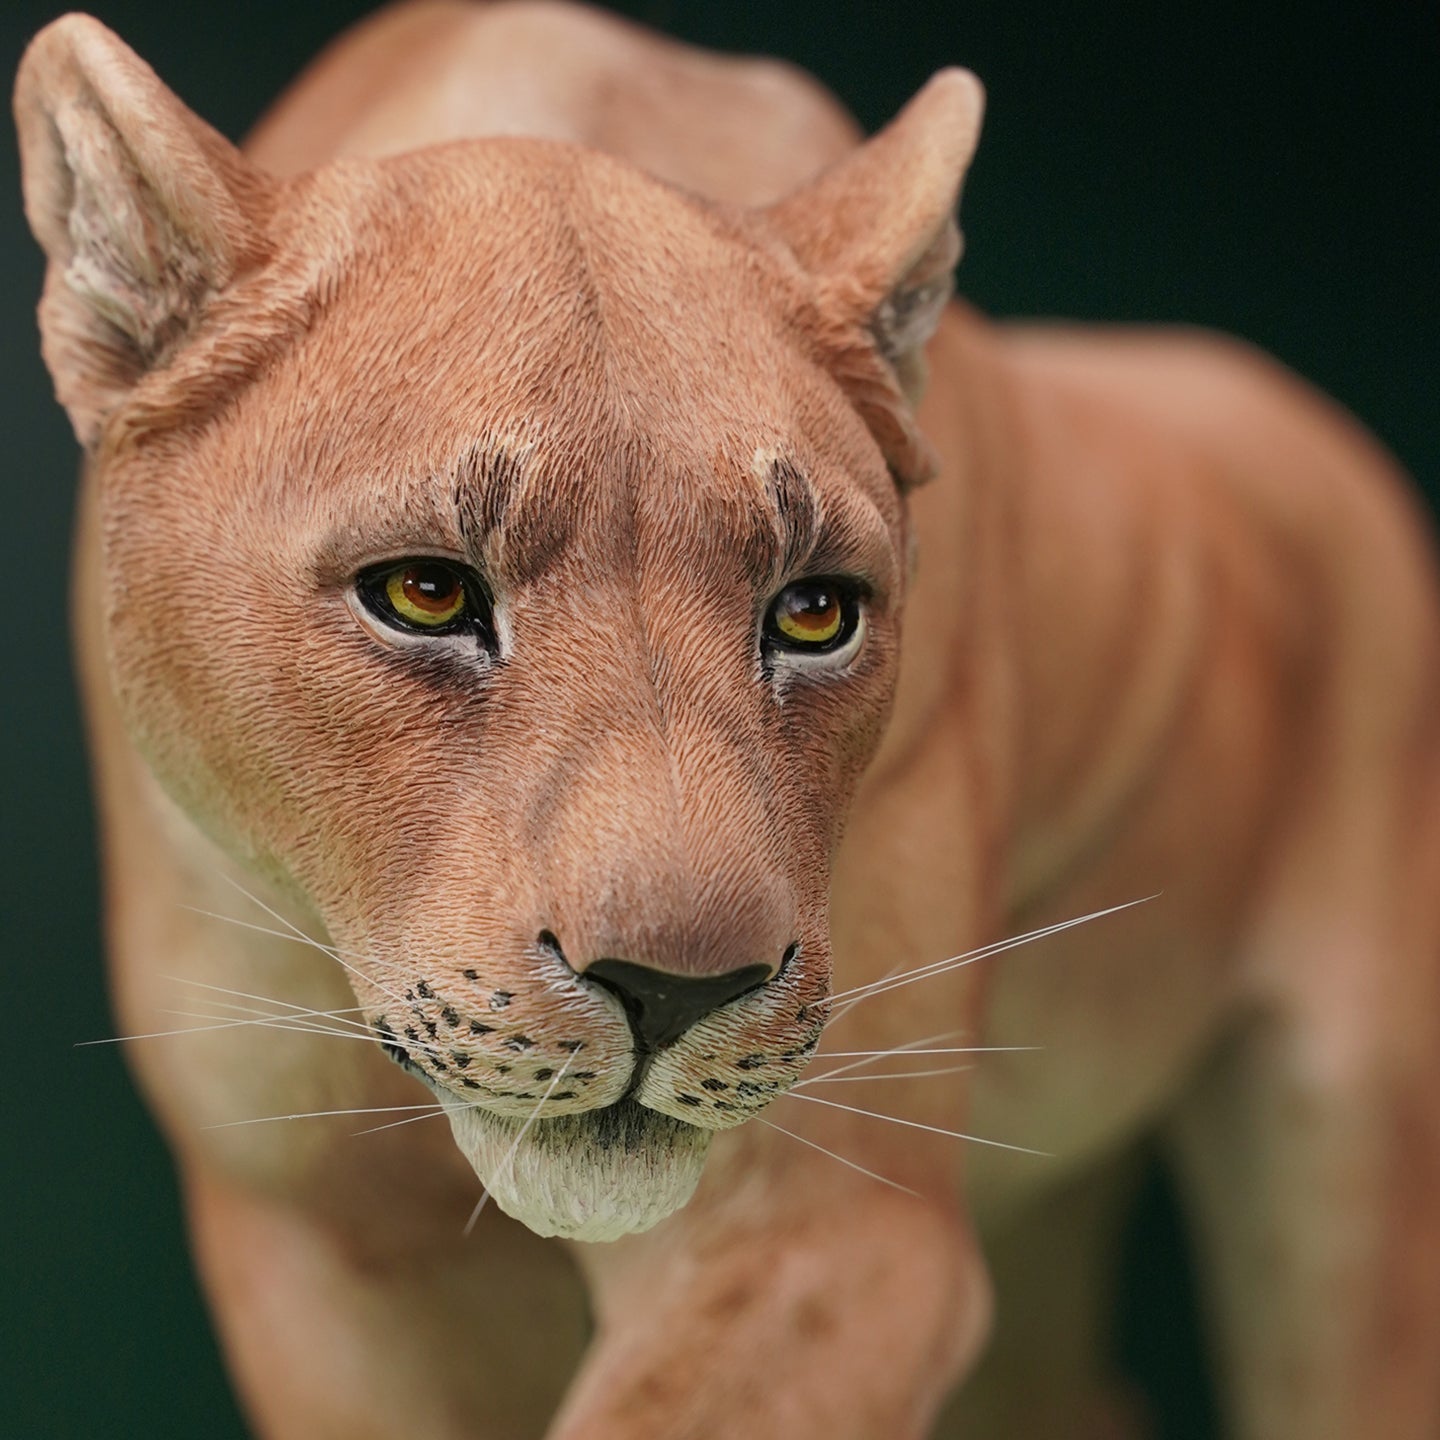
(475, 615)
(850, 593)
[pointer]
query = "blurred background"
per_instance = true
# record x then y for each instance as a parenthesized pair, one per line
(1266, 168)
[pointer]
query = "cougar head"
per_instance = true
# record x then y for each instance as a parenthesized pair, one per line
(505, 551)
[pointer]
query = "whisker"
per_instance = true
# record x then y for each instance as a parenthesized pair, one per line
(884, 1180)
(515, 1146)
(356, 1032)
(321, 1115)
(229, 1024)
(909, 1047)
(892, 974)
(299, 934)
(271, 1000)
(409, 1120)
(298, 938)
(956, 962)
(953, 1050)
(273, 1022)
(917, 1125)
(897, 1075)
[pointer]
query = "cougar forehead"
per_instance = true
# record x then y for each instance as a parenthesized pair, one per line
(532, 353)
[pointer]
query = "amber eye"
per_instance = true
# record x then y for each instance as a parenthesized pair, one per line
(813, 615)
(426, 595)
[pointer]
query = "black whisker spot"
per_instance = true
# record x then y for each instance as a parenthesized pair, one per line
(750, 1062)
(573, 1046)
(471, 974)
(564, 1095)
(476, 1028)
(689, 1099)
(500, 999)
(584, 1075)
(431, 1029)
(713, 1084)
(519, 1043)
(450, 1015)
(468, 1083)
(460, 1058)
(422, 988)
(544, 1074)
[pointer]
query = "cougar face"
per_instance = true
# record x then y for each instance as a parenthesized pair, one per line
(502, 552)
(538, 620)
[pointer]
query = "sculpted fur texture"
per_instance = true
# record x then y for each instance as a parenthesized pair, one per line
(534, 630)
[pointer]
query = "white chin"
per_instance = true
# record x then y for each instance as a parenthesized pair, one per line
(594, 1176)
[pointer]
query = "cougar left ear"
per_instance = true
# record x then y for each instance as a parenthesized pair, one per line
(878, 233)
(145, 213)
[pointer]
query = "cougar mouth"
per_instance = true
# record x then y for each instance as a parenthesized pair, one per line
(598, 1175)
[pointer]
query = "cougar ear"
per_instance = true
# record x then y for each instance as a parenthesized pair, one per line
(878, 233)
(143, 211)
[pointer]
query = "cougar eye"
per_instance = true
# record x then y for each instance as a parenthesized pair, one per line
(813, 615)
(429, 596)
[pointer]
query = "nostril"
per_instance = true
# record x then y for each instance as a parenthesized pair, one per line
(547, 940)
(792, 953)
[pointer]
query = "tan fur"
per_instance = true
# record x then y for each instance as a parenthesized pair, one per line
(1170, 629)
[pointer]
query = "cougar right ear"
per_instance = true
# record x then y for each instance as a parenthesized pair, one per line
(877, 231)
(144, 212)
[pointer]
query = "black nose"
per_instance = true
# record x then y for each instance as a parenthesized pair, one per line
(661, 1007)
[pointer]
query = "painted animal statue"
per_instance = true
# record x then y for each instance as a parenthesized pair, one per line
(526, 567)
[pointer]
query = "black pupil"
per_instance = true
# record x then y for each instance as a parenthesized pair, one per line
(434, 583)
(812, 601)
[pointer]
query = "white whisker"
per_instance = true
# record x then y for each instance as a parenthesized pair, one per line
(299, 934)
(894, 1184)
(356, 1032)
(409, 1120)
(896, 1075)
(892, 974)
(917, 1125)
(271, 1000)
(909, 1047)
(509, 1156)
(951, 1050)
(227, 1024)
(292, 1023)
(956, 962)
(321, 1115)
(298, 938)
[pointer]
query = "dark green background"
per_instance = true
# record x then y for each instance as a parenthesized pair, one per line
(1268, 169)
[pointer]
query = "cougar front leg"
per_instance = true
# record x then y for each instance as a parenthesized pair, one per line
(397, 1326)
(1310, 1157)
(788, 1302)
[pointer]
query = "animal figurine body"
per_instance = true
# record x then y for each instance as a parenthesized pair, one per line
(516, 555)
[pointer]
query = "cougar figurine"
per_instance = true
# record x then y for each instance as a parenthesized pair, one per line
(561, 698)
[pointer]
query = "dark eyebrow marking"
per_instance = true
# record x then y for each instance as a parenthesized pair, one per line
(798, 510)
(486, 486)
(509, 517)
